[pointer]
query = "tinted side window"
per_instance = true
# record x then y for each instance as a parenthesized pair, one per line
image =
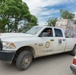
(58, 33)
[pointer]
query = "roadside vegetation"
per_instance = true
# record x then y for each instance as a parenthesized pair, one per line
(15, 16)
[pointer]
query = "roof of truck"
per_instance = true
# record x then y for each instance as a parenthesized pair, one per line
(45, 26)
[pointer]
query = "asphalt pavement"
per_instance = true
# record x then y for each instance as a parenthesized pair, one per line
(50, 65)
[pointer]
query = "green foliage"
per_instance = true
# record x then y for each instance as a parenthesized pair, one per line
(74, 21)
(52, 21)
(12, 12)
(66, 14)
(33, 20)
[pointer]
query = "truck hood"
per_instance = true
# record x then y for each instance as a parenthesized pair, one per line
(11, 36)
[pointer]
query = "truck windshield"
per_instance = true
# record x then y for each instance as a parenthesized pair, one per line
(33, 30)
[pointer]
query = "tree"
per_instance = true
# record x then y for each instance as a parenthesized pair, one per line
(33, 20)
(3, 22)
(74, 21)
(14, 11)
(52, 21)
(66, 14)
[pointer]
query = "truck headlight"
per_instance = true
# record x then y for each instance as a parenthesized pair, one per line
(8, 45)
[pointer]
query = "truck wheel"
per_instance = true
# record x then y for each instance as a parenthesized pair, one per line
(73, 52)
(24, 60)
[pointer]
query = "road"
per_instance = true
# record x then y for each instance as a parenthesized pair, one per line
(49, 65)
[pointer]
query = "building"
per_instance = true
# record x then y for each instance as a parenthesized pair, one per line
(68, 27)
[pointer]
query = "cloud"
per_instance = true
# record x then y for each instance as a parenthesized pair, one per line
(42, 8)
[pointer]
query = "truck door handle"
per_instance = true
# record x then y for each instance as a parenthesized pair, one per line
(52, 40)
(63, 39)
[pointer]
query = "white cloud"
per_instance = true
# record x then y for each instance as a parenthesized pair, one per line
(48, 12)
(38, 8)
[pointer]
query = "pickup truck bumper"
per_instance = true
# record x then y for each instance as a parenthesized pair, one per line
(6, 56)
(73, 68)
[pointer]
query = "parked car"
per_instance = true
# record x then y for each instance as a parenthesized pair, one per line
(73, 66)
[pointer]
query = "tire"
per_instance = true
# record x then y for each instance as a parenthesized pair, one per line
(24, 60)
(73, 52)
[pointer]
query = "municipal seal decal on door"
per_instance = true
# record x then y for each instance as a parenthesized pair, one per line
(47, 44)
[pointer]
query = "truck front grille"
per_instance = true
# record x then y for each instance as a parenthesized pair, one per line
(0, 44)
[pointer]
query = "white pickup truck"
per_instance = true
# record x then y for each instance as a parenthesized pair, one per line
(38, 41)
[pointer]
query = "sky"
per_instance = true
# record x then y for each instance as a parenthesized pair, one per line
(45, 9)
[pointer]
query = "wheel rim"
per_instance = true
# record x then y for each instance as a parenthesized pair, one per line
(26, 62)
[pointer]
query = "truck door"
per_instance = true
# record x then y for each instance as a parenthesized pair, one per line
(59, 41)
(46, 42)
